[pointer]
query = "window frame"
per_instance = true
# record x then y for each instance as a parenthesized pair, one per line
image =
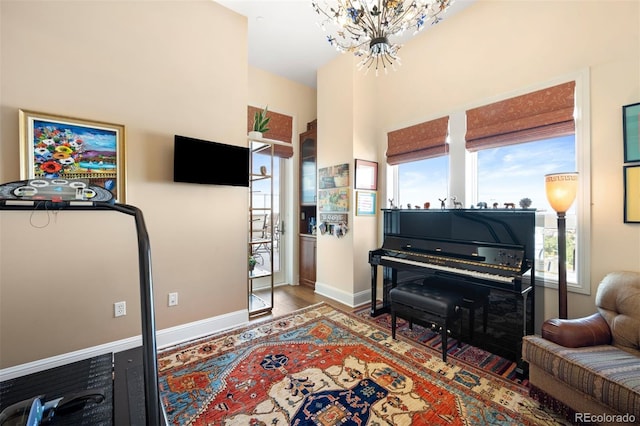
(463, 169)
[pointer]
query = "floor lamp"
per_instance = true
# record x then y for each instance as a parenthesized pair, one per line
(561, 191)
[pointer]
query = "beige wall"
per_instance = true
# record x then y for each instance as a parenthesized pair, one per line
(160, 69)
(334, 256)
(494, 48)
(346, 130)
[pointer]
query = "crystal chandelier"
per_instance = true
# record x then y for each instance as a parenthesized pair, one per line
(364, 26)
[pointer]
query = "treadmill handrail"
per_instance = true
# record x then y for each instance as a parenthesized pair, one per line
(149, 347)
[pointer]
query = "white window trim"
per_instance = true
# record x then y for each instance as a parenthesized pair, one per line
(463, 184)
(582, 116)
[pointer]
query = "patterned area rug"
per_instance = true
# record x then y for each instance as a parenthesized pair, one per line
(464, 352)
(321, 366)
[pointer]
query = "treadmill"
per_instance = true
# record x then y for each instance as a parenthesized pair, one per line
(135, 371)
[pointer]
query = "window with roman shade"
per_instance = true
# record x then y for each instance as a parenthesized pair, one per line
(280, 128)
(543, 114)
(418, 142)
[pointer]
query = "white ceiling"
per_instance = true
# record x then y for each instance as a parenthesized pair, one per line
(284, 37)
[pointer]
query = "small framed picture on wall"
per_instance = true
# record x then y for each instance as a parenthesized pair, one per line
(631, 129)
(366, 175)
(365, 203)
(632, 194)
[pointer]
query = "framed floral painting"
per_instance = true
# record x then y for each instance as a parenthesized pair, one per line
(59, 147)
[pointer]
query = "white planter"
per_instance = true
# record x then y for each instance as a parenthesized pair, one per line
(255, 135)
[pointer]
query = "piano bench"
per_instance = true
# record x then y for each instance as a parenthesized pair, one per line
(414, 301)
(472, 299)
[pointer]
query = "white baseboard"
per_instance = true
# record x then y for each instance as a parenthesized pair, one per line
(164, 338)
(194, 330)
(346, 298)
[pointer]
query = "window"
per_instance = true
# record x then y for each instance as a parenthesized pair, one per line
(423, 181)
(420, 151)
(501, 166)
(523, 166)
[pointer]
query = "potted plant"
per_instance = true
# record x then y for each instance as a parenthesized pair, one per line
(252, 263)
(260, 123)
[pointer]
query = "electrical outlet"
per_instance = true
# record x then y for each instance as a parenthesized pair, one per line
(173, 299)
(119, 309)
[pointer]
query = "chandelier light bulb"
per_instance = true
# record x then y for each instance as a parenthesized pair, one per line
(364, 27)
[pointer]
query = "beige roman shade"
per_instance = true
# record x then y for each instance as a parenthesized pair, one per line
(418, 142)
(543, 114)
(280, 128)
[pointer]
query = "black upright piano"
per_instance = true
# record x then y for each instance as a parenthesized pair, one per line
(491, 248)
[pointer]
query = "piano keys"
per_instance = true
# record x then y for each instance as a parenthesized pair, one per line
(488, 248)
(493, 262)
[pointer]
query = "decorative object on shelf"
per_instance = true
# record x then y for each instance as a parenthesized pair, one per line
(509, 205)
(58, 147)
(561, 190)
(366, 175)
(252, 263)
(263, 170)
(363, 27)
(481, 205)
(442, 203)
(427, 204)
(631, 129)
(260, 123)
(632, 194)
(456, 204)
(525, 203)
(391, 205)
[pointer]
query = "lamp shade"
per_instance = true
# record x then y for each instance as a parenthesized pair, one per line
(561, 190)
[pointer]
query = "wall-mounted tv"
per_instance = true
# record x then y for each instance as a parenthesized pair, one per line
(212, 163)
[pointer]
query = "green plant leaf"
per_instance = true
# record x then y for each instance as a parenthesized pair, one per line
(260, 121)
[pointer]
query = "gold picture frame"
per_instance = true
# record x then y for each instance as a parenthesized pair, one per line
(632, 194)
(60, 147)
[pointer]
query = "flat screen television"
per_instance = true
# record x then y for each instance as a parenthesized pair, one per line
(211, 163)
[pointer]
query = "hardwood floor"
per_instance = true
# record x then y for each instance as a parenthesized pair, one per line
(288, 298)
